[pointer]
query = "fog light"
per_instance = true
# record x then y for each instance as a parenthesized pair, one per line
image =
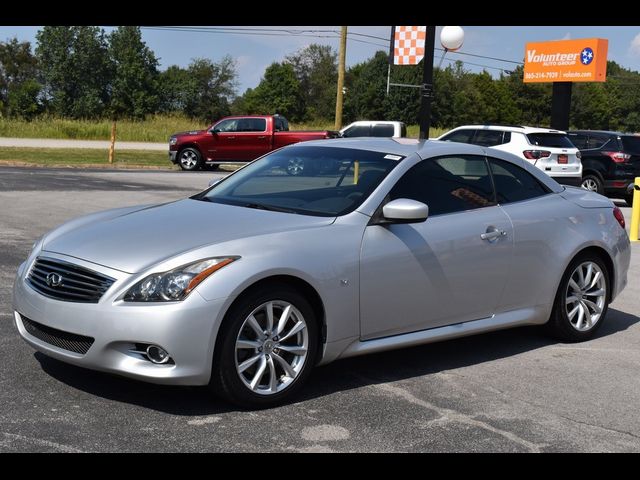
(157, 354)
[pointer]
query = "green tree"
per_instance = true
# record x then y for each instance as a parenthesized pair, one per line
(75, 70)
(173, 89)
(278, 92)
(316, 68)
(134, 86)
(18, 86)
(210, 88)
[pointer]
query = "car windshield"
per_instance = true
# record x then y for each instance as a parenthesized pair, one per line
(320, 181)
(553, 140)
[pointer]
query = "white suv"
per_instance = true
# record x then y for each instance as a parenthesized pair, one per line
(549, 150)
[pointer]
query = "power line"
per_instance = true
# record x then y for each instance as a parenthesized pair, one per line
(308, 33)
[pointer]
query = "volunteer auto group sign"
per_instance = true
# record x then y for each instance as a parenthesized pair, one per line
(583, 60)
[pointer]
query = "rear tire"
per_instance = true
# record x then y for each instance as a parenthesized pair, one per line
(582, 300)
(255, 366)
(189, 159)
(629, 200)
(593, 183)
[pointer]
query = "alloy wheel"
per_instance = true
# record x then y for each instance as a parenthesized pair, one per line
(586, 296)
(271, 347)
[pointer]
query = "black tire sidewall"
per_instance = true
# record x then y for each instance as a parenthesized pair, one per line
(198, 164)
(598, 181)
(559, 323)
(225, 380)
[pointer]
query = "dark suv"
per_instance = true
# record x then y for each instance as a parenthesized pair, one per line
(610, 161)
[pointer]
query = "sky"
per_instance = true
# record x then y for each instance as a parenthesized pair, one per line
(253, 53)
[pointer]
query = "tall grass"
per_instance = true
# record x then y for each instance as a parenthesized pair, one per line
(156, 128)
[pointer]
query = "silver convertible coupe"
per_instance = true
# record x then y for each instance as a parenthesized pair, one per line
(379, 244)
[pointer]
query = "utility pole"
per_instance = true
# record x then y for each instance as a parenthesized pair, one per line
(427, 83)
(341, 62)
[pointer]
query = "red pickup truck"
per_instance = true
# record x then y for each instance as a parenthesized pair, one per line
(236, 140)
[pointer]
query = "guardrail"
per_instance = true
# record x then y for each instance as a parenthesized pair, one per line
(635, 211)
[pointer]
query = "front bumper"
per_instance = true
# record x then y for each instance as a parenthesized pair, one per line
(187, 330)
(173, 156)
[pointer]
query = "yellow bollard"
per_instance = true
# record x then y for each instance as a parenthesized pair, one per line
(635, 212)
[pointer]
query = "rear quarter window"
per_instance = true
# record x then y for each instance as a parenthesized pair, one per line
(553, 140)
(631, 144)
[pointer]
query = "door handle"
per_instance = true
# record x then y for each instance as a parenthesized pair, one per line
(492, 234)
(261, 137)
(231, 138)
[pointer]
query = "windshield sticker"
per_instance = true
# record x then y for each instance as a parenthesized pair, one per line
(393, 157)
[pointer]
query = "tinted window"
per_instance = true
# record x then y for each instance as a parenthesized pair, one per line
(553, 140)
(513, 183)
(579, 140)
(488, 138)
(403, 131)
(631, 144)
(382, 131)
(279, 122)
(462, 136)
(597, 140)
(326, 181)
(447, 184)
(357, 131)
(252, 125)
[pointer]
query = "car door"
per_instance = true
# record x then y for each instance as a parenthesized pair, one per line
(222, 145)
(445, 270)
(539, 231)
(252, 139)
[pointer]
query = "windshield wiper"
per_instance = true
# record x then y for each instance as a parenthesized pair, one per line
(271, 208)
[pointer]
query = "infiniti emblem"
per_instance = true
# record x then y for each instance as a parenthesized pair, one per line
(54, 279)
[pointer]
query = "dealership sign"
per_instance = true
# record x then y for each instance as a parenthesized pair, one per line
(583, 60)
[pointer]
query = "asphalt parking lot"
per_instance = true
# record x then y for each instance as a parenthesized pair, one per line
(509, 391)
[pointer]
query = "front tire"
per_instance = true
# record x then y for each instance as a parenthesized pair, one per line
(266, 348)
(582, 300)
(190, 159)
(592, 183)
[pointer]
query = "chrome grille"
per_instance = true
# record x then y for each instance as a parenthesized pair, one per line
(65, 281)
(58, 338)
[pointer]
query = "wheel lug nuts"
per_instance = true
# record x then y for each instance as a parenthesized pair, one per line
(259, 349)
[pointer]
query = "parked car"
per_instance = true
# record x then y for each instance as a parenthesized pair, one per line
(377, 128)
(238, 140)
(610, 161)
(549, 150)
(249, 284)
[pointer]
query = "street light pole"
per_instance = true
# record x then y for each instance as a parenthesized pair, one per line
(427, 83)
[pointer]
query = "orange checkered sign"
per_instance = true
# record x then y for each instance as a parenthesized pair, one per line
(583, 60)
(408, 45)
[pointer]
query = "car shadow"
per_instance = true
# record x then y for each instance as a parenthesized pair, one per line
(342, 375)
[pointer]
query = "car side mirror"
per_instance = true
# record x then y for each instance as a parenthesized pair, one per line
(404, 210)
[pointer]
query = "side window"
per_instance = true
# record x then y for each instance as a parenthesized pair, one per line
(447, 184)
(513, 183)
(382, 130)
(230, 125)
(279, 124)
(357, 131)
(462, 136)
(579, 140)
(597, 140)
(403, 131)
(488, 138)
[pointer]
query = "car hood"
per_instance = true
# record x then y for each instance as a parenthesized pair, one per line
(189, 133)
(131, 240)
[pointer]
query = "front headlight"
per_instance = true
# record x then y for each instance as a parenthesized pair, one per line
(173, 140)
(176, 284)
